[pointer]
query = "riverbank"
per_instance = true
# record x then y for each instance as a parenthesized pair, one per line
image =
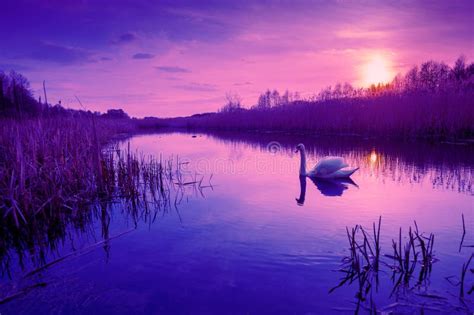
(51, 166)
(308, 134)
(429, 116)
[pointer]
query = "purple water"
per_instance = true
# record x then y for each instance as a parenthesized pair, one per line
(246, 245)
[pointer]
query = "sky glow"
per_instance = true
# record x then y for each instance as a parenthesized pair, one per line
(173, 58)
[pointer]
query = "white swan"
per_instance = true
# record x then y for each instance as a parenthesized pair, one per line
(328, 167)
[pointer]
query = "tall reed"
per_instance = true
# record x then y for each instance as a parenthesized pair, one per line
(56, 165)
(438, 115)
(55, 174)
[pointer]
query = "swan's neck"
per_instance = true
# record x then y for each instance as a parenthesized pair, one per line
(303, 163)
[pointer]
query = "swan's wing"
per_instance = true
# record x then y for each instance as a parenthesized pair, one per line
(345, 173)
(328, 165)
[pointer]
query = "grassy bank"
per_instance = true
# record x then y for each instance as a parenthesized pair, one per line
(48, 164)
(435, 116)
(433, 101)
(58, 176)
(52, 165)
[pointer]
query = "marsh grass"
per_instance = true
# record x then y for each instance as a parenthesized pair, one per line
(465, 266)
(432, 101)
(435, 115)
(416, 251)
(45, 165)
(464, 269)
(50, 166)
(57, 174)
(362, 265)
(412, 257)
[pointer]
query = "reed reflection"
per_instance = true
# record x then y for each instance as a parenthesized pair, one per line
(445, 166)
(137, 192)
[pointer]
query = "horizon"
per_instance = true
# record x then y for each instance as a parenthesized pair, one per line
(169, 60)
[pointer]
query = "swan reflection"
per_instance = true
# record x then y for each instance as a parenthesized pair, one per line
(331, 187)
(300, 200)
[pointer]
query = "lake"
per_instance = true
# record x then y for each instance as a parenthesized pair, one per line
(255, 238)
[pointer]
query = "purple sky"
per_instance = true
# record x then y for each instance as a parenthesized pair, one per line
(169, 58)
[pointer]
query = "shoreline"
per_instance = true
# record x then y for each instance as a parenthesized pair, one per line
(430, 140)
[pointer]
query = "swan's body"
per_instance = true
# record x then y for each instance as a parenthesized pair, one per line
(328, 167)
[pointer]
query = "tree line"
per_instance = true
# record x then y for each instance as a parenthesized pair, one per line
(429, 77)
(17, 101)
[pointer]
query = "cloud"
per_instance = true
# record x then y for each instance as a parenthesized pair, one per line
(105, 59)
(172, 69)
(361, 34)
(126, 38)
(13, 66)
(243, 83)
(198, 87)
(143, 56)
(60, 54)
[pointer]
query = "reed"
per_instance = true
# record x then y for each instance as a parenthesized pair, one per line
(426, 245)
(439, 115)
(433, 101)
(57, 174)
(51, 166)
(405, 257)
(463, 232)
(465, 268)
(363, 263)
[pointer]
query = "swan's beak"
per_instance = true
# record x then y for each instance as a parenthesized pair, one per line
(296, 150)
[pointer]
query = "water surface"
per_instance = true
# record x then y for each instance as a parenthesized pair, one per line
(258, 239)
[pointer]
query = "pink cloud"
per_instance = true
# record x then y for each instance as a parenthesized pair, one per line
(302, 50)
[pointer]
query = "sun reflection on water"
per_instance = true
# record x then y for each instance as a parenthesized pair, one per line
(373, 157)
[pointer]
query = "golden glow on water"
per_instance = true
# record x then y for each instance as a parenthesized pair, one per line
(373, 157)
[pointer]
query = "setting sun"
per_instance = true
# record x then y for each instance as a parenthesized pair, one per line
(377, 70)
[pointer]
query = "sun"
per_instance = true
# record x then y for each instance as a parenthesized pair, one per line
(377, 70)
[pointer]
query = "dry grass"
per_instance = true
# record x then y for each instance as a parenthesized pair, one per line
(49, 166)
(57, 174)
(437, 115)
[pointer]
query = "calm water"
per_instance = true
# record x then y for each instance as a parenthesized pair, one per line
(260, 240)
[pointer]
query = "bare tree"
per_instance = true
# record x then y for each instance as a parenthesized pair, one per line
(233, 103)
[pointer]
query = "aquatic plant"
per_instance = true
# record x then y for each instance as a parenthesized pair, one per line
(58, 175)
(416, 254)
(52, 167)
(362, 265)
(404, 259)
(465, 268)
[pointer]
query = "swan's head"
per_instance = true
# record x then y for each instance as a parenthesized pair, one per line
(299, 148)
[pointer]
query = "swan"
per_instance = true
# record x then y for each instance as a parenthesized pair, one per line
(328, 167)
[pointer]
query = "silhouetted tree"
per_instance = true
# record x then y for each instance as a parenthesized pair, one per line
(285, 98)
(16, 98)
(116, 114)
(264, 100)
(233, 103)
(433, 75)
(459, 69)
